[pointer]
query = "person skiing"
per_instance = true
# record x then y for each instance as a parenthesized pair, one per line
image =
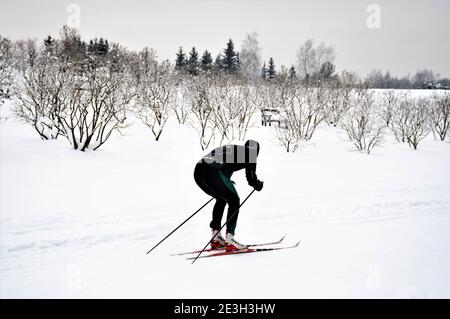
(212, 174)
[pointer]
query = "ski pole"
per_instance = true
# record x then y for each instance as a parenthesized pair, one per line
(235, 212)
(180, 225)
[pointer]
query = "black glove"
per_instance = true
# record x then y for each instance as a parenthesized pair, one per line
(258, 185)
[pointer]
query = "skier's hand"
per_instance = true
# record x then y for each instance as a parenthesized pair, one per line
(258, 185)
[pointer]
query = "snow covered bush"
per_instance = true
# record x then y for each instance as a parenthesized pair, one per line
(77, 91)
(399, 120)
(301, 110)
(440, 115)
(234, 104)
(221, 107)
(156, 93)
(6, 68)
(199, 91)
(267, 100)
(389, 102)
(339, 98)
(411, 121)
(180, 108)
(361, 123)
(98, 109)
(42, 93)
(417, 125)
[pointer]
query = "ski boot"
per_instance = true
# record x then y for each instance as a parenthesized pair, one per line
(231, 244)
(218, 241)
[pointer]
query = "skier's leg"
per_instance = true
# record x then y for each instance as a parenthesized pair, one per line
(217, 214)
(201, 175)
(208, 180)
(230, 195)
(216, 184)
(233, 208)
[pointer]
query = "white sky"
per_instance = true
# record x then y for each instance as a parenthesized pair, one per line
(413, 35)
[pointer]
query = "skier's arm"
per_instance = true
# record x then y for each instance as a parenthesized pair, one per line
(252, 179)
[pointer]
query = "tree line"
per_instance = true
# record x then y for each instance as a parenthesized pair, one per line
(84, 92)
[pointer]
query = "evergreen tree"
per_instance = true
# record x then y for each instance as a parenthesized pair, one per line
(98, 47)
(292, 73)
(206, 60)
(326, 71)
(271, 69)
(193, 61)
(230, 60)
(180, 61)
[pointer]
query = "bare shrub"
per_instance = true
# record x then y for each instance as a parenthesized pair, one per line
(440, 115)
(181, 107)
(410, 121)
(41, 96)
(98, 109)
(302, 110)
(417, 127)
(267, 100)
(389, 101)
(361, 123)
(234, 104)
(85, 99)
(399, 120)
(199, 91)
(156, 94)
(339, 98)
(6, 68)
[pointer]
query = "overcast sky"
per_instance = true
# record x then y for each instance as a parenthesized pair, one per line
(412, 34)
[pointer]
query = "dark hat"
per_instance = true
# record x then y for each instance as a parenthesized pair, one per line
(252, 145)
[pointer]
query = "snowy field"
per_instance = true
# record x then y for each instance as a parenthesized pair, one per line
(78, 225)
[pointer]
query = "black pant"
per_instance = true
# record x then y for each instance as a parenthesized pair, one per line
(216, 184)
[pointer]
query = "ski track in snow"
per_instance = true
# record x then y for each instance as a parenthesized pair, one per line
(79, 225)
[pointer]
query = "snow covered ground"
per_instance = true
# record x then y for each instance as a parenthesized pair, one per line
(79, 224)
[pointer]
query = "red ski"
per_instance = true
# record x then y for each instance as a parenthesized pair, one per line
(223, 248)
(244, 251)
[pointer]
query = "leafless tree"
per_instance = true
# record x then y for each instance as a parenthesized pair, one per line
(250, 56)
(181, 107)
(418, 121)
(234, 104)
(41, 95)
(440, 115)
(25, 53)
(79, 99)
(199, 92)
(389, 101)
(310, 59)
(6, 67)
(247, 109)
(410, 121)
(301, 112)
(156, 95)
(104, 100)
(339, 98)
(361, 123)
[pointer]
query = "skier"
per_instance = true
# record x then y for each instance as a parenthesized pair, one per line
(212, 174)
